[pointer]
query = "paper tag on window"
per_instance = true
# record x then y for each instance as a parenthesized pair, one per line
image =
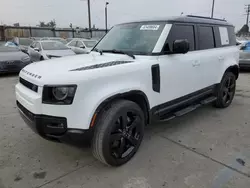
(150, 27)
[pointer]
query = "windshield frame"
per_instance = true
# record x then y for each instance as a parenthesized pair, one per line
(51, 41)
(163, 35)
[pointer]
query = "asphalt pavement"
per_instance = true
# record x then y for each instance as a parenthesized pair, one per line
(208, 148)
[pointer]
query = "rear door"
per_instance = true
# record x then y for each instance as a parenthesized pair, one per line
(209, 56)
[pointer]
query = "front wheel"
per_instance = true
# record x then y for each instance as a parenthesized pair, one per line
(119, 132)
(226, 90)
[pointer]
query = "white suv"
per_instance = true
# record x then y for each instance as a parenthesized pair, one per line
(140, 72)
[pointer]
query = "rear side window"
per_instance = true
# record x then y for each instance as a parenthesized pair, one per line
(232, 36)
(179, 32)
(224, 38)
(205, 37)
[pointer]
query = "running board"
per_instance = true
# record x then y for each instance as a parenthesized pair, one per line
(188, 109)
(208, 100)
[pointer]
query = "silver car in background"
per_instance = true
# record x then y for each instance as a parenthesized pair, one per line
(244, 61)
(12, 59)
(82, 46)
(47, 49)
(55, 39)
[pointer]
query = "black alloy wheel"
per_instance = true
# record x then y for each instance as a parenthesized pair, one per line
(118, 133)
(125, 135)
(226, 90)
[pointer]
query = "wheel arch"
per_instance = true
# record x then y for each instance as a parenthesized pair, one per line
(136, 96)
(234, 69)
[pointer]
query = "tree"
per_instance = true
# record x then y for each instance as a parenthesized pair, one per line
(42, 24)
(52, 23)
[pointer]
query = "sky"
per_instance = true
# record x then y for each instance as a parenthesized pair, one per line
(30, 12)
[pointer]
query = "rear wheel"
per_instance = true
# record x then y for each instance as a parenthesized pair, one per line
(226, 90)
(119, 132)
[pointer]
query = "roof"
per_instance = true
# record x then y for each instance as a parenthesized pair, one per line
(188, 19)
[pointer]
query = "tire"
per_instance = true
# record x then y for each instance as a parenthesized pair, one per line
(41, 58)
(226, 90)
(113, 143)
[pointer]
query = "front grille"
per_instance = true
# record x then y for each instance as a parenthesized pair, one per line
(26, 112)
(29, 85)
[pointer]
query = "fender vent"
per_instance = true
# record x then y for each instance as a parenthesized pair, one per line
(97, 66)
(156, 78)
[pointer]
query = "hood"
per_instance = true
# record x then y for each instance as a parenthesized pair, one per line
(59, 53)
(57, 68)
(12, 56)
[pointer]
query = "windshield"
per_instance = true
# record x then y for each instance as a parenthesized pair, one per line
(89, 44)
(53, 45)
(25, 42)
(137, 38)
(60, 40)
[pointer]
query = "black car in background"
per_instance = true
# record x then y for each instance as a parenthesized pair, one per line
(12, 59)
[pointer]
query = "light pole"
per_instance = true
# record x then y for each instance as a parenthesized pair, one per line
(106, 16)
(89, 15)
(212, 13)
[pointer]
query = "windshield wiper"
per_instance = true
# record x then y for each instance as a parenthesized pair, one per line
(96, 50)
(120, 52)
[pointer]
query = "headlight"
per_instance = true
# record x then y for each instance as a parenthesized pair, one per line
(59, 94)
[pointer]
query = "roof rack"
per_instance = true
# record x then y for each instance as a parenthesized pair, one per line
(206, 18)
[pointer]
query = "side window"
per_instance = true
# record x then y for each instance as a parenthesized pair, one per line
(79, 44)
(205, 37)
(38, 45)
(224, 36)
(73, 43)
(33, 45)
(232, 36)
(179, 32)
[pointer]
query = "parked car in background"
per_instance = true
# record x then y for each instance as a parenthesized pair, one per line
(244, 61)
(22, 43)
(81, 46)
(36, 38)
(12, 59)
(47, 49)
(55, 39)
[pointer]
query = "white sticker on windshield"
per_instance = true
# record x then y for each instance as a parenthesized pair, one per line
(150, 27)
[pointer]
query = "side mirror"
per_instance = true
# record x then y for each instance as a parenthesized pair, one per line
(36, 49)
(82, 46)
(180, 46)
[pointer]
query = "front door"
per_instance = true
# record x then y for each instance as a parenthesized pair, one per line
(179, 73)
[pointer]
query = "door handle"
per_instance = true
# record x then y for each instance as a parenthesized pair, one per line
(221, 58)
(196, 64)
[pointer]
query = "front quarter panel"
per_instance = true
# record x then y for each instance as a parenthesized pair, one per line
(91, 93)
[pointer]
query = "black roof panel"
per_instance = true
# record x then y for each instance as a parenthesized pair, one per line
(188, 19)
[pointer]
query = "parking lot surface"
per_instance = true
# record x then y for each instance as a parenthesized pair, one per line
(208, 148)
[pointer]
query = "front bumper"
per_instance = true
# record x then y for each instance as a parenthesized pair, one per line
(12, 68)
(52, 128)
